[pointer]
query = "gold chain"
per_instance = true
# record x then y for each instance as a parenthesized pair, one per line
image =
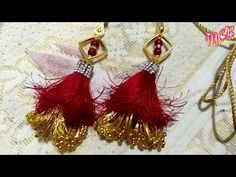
(202, 28)
(225, 70)
(100, 29)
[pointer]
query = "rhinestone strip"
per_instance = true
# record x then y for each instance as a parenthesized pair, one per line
(151, 67)
(84, 68)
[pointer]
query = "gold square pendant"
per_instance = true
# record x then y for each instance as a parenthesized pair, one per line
(102, 52)
(155, 58)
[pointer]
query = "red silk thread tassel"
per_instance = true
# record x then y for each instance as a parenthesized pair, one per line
(134, 112)
(64, 109)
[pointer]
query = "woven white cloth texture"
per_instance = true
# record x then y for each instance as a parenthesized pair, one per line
(189, 70)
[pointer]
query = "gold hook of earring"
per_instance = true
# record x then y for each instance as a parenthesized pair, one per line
(160, 28)
(100, 29)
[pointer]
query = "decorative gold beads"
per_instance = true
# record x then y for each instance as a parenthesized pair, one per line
(112, 127)
(51, 127)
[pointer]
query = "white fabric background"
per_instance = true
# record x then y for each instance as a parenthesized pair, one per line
(190, 68)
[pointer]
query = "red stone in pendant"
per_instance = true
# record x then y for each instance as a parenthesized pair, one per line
(157, 51)
(158, 42)
(95, 42)
(92, 52)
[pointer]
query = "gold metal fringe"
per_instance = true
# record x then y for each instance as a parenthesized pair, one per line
(112, 127)
(51, 127)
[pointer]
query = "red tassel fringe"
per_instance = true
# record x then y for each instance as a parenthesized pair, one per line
(72, 96)
(138, 95)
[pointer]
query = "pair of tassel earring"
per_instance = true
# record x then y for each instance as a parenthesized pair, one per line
(133, 112)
